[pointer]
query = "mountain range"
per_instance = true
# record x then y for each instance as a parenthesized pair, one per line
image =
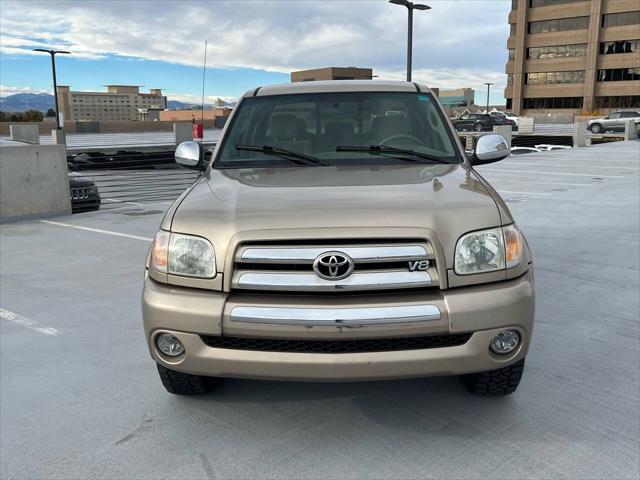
(21, 102)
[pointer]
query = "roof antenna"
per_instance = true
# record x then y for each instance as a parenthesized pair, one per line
(204, 74)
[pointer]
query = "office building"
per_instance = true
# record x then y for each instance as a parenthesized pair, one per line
(118, 103)
(332, 73)
(219, 115)
(573, 56)
(460, 97)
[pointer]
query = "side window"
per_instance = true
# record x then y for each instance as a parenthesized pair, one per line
(614, 115)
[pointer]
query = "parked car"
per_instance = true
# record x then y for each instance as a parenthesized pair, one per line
(614, 121)
(328, 241)
(524, 150)
(508, 116)
(122, 159)
(479, 122)
(84, 193)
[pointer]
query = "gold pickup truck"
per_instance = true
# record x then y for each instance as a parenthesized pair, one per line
(339, 232)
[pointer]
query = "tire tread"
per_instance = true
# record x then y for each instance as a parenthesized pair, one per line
(503, 381)
(179, 383)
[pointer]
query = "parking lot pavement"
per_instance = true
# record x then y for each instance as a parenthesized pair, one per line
(80, 397)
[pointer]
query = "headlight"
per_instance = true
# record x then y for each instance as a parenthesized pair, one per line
(184, 255)
(92, 190)
(488, 250)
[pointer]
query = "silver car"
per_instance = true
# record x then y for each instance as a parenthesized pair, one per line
(613, 121)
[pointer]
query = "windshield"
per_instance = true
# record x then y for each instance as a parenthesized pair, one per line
(312, 129)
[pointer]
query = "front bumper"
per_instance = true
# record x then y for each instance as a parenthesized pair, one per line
(480, 310)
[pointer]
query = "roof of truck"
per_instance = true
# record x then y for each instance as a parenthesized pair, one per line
(337, 86)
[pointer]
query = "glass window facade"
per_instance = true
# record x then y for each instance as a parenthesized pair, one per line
(512, 53)
(509, 103)
(553, 51)
(512, 29)
(559, 25)
(552, 102)
(550, 78)
(618, 74)
(618, 101)
(621, 19)
(509, 79)
(619, 46)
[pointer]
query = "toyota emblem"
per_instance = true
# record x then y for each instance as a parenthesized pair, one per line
(333, 265)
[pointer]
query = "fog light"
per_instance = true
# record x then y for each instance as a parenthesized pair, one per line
(505, 342)
(169, 345)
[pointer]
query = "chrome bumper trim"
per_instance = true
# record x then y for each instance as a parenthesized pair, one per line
(336, 316)
(379, 253)
(311, 282)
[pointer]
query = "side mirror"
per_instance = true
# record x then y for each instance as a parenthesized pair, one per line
(189, 155)
(490, 148)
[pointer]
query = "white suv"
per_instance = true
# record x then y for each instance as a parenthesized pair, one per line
(613, 121)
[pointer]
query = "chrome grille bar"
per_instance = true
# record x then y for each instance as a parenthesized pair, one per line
(360, 254)
(336, 316)
(309, 281)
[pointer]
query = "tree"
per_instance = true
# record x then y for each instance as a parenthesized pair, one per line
(33, 116)
(50, 113)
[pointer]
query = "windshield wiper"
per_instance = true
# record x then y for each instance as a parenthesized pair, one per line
(283, 153)
(382, 149)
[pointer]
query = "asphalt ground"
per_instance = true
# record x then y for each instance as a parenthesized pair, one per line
(80, 396)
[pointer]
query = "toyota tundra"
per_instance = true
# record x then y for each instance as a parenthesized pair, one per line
(339, 232)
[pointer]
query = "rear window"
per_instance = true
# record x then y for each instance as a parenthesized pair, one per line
(316, 124)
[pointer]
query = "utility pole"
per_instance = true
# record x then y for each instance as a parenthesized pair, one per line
(410, 8)
(55, 82)
(488, 84)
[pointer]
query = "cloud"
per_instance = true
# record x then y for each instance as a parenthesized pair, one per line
(195, 99)
(6, 90)
(456, 41)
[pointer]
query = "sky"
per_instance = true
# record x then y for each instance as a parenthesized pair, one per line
(160, 43)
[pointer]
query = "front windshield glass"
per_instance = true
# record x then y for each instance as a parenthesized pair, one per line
(311, 129)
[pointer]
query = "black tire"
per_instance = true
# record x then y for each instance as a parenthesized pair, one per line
(595, 128)
(180, 383)
(478, 127)
(503, 381)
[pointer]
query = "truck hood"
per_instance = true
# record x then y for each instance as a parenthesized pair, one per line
(232, 205)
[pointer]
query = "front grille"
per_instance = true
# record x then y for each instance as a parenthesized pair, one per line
(337, 346)
(78, 193)
(376, 265)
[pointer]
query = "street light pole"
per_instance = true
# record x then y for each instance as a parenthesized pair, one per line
(410, 8)
(488, 84)
(55, 82)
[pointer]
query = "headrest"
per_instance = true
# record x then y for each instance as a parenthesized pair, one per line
(389, 126)
(338, 130)
(284, 126)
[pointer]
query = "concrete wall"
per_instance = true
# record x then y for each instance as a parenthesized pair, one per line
(25, 133)
(33, 182)
(550, 116)
(101, 127)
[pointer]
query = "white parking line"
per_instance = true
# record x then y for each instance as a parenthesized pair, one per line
(97, 230)
(27, 323)
(538, 172)
(497, 180)
(122, 201)
(508, 192)
(580, 165)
